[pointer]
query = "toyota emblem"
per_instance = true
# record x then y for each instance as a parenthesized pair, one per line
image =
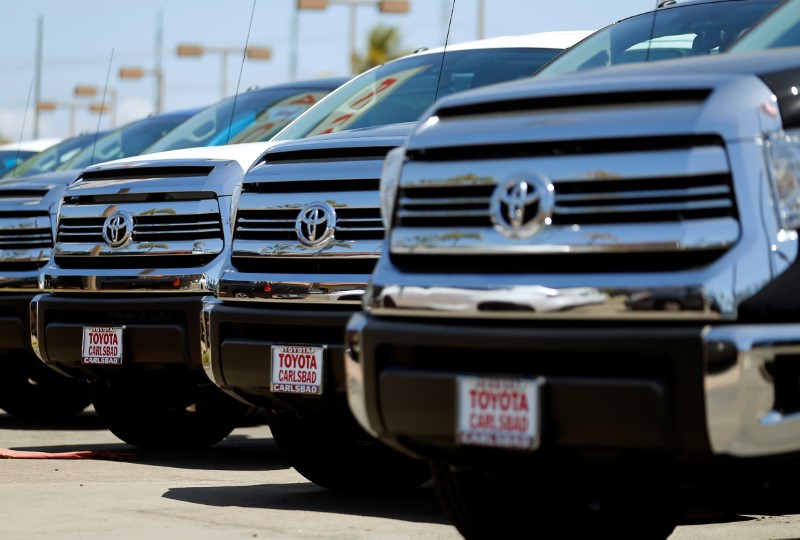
(522, 205)
(316, 223)
(118, 229)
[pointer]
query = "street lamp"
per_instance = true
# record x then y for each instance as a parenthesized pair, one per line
(384, 6)
(138, 73)
(191, 50)
(47, 106)
(86, 90)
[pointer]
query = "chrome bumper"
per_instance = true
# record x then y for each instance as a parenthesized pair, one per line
(741, 414)
(205, 337)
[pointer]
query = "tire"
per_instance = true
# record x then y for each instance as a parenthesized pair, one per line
(31, 390)
(331, 450)
(572, 500)
(152, 413)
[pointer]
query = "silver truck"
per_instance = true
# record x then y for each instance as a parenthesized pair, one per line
(28, 208)
(137, 245)
(589, 293)
(28, 215)
(307, 234)
(141, 241)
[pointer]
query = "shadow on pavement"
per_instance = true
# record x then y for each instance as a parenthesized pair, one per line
(418, 505)
(85, 421)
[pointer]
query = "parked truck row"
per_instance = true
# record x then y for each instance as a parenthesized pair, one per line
(554, 295)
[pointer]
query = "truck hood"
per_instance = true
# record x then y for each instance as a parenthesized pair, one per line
(245, 154)
(383, 136)
(216, 170)
(778, 69)
(34, 193)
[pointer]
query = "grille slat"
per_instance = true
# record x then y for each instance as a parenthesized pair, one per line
(685, 206)
(24, 240)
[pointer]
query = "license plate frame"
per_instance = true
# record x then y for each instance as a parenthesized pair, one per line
(499, 412)
(107, 349)
(301, 369)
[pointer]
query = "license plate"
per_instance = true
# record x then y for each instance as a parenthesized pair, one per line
(102, 345)
(498, 412)
(297, 369)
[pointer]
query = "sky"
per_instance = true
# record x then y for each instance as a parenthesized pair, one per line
(86, 42)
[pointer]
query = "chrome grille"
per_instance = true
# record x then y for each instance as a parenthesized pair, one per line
(26, 242)
(145, 228)
(600, 201)
(279, 224)
(182, 233)
(266, 240)
(648, 199)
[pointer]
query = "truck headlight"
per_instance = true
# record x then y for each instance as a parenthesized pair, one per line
(390, 179)
(783, 160)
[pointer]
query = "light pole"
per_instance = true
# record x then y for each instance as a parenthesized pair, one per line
(195, 51)
(86, 90)
(43, 106)
(138, 73)
(384, 6)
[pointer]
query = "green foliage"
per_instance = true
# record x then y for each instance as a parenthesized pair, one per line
(383, 46)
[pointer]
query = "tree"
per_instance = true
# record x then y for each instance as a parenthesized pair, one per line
(4, 139)
(383, 45)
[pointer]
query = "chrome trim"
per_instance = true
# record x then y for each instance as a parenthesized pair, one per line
(260, 249)
(28, 280)
(133, 281)
(621, 165)
(663, 302)
(87, 251)
(354, 374)
(296, 201)
(33, 318)
(706, 234)
(314, 289)
(206, 348)
(163, 208)
(740, 399)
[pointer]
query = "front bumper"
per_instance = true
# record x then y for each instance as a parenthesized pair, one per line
(14, 324)
(160, 332)
(237, 340)
(692, 390)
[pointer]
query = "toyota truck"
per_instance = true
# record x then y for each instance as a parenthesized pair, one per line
(677, 181)
(141, 241)
(307, 234)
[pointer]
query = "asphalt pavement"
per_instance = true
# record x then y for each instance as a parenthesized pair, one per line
(242, 488)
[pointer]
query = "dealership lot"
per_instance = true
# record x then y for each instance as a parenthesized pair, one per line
(240, 488)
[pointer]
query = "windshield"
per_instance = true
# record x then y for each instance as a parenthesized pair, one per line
(400, 91)
(270, 109)
(780, 29)
(53, 157)
(674, 32)
(11, 158)
(129, 140)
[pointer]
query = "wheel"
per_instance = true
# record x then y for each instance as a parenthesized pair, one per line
(331, 450)
(31, 390)
(158, 413)
(575, 500)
